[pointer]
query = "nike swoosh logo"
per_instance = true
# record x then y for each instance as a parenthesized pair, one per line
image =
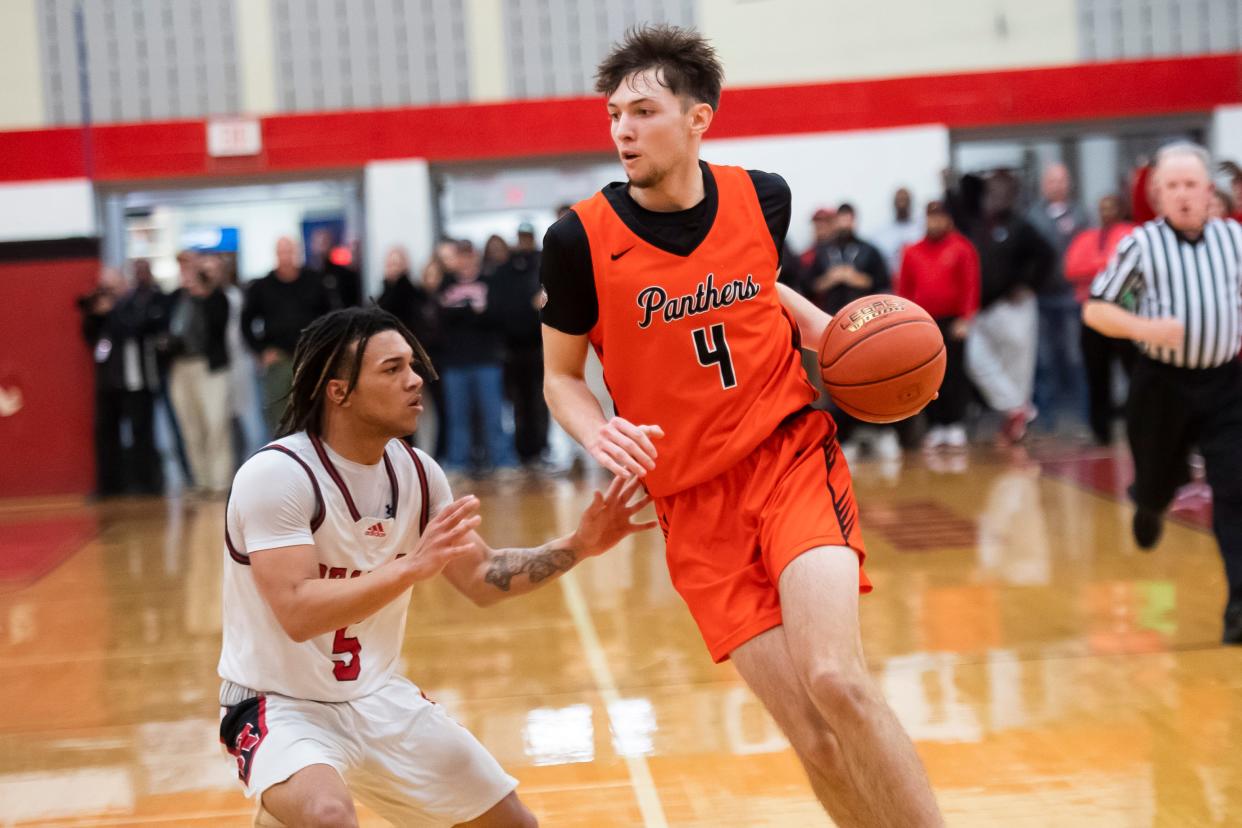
(616, 256)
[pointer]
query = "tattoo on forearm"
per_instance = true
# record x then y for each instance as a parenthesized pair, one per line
(537, 564)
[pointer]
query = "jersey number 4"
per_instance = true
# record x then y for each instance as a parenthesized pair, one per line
(345, 645)
(715, 351)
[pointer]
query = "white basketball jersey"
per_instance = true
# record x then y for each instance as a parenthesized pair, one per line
(355, 660)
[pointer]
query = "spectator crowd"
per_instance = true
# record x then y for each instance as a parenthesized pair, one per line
(189, 383)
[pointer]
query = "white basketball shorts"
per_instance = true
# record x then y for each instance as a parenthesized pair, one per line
(400, 754)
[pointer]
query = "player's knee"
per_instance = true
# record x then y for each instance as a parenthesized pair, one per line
(821, 752)
(329, 812)
(842, 696)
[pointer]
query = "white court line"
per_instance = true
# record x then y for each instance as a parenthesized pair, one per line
(640, 775)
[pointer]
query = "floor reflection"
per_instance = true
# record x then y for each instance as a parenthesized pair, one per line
(1049, 672)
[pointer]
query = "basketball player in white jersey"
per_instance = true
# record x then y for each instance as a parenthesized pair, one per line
(327, 529)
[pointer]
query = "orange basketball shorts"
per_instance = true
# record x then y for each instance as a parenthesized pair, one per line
(729, 539)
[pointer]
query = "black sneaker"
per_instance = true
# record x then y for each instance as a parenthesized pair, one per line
(1147, 526)
(1233, 624)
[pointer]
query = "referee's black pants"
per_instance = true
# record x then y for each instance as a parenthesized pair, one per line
(1172, 409)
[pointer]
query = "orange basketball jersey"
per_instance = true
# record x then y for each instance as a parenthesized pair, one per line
(699, 345)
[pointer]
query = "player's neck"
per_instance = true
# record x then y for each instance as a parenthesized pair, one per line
(354, 444)
(680, 189)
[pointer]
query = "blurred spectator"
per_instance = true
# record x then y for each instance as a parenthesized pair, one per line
(495, 255)
(1221, 206)
(411, 303)
(518, 295)
(342, 284)
(941, 275)
(822, 222)
(905, 230)
(471, 359)
(1143, 206)
(277, 308)
(250, 431)
(846, 267)
(199, 377)
(1059, 379)
(122, 327)
(1000, 349)
(843, 269)
(1088, 254)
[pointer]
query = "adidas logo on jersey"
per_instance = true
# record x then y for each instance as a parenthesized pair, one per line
(376, 531)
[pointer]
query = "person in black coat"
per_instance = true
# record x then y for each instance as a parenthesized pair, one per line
(517, 294)
(121, 327)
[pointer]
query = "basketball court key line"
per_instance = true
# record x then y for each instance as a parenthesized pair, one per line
(640, 774)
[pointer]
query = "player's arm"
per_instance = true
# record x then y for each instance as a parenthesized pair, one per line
(620, 446)
(488, 575)
(571, 309)
(307, 605)
(811, 321)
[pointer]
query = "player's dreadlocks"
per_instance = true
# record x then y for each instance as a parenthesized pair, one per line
(323, 349)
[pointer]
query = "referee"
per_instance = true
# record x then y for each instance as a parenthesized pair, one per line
(1172, 286)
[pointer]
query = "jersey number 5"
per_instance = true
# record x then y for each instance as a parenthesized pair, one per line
(344, 644)
(715, 352)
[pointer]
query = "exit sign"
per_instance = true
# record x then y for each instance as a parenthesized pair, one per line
(228, 137)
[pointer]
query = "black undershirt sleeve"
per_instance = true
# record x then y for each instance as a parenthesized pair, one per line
(568, 278)
(774, 199)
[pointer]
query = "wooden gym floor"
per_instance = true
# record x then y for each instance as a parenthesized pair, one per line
(1049, 672)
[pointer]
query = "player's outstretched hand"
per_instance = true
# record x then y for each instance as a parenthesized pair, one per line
(608, 520)
(626, 449)
(446, 538)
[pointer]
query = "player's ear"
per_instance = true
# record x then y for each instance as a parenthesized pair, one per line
(337, 391)
(701, 115)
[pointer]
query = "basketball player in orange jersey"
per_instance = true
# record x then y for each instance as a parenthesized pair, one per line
(671, 278)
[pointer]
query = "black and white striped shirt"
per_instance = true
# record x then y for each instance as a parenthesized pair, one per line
(1157, 272)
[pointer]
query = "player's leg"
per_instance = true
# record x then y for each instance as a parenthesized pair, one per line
(315, 797)
(819, 605)
(507, 813)
(290, 755)
(765, 665)
(419, 766)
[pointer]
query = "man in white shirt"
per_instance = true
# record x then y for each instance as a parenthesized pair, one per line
(905, 230)
(326, 531)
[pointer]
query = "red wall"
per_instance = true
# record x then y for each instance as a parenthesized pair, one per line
(321, 141)
(46, 447)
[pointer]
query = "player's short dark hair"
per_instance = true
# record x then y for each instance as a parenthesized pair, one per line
(332, 347)
(685, 63)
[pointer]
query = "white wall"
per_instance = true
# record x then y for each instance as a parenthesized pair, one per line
(21, 94)
(59, 209)
(1225, 139)
(257, 56)
(863, 167)
(785, 41)
(398, 211)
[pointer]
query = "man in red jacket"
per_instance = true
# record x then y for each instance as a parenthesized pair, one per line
(941, 274)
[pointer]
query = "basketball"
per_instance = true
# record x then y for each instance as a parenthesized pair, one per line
(882, 359)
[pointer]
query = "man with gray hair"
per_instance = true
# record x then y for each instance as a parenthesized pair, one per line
(1173, 288)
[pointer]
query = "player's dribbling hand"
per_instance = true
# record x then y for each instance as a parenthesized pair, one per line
(607, 521)
(446, 538)
(626, 449)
